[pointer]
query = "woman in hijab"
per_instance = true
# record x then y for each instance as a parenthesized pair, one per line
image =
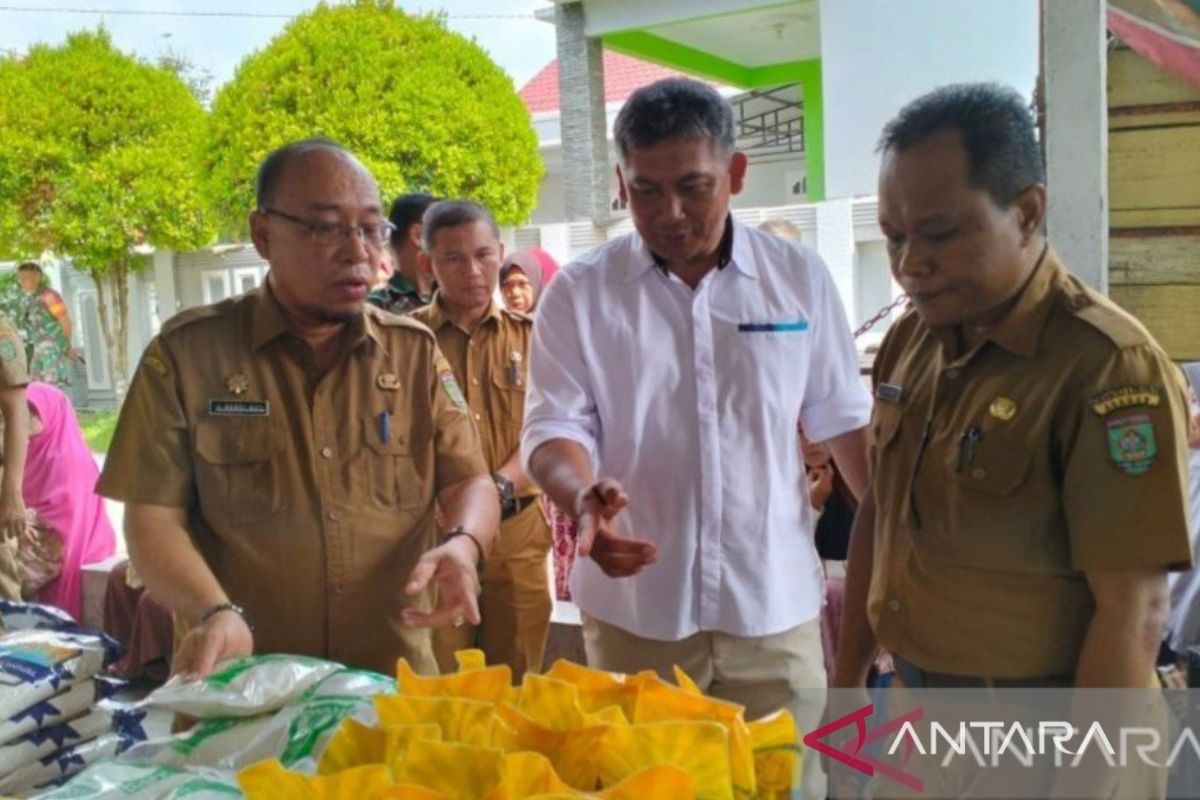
(523, 276)
(60, 476)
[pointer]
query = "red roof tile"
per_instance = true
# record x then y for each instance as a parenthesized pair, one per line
(622, 76)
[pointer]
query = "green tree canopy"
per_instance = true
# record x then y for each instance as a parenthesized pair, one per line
(422, 107)
(99, 157)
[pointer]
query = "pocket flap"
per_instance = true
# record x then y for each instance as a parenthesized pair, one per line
(997, 468)
(236, 441)
(390, 442)
(504, 378)
(885, 423)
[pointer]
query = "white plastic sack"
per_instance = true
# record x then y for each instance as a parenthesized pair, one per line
(113, 780)
(37, 664)
(297, 734)
(61, 707)
(243, 687)
(18, 616)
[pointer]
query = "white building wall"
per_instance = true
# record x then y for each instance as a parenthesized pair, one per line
(879, 54)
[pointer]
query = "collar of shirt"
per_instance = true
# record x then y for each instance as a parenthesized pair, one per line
(438, 318)
(267, 322)
(734, 249)
(1020, 329)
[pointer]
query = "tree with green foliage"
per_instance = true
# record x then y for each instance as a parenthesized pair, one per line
(422, 107)
(99, 161)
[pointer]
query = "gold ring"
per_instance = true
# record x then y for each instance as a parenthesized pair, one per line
(458, 621)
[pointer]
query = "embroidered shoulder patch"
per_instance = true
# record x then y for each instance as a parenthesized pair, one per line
(1125, 397)
(1131, 443)
(450, 383)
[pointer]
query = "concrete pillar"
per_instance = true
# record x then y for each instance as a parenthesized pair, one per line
(582, 117)
(164, 284)
(1075, 72)
(835, 244)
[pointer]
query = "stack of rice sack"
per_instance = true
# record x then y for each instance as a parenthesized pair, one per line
(55, 715)
(572, 733)
(280, 707)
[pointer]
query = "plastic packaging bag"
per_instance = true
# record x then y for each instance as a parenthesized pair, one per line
(61, 707)
(243, 687)
(114, 780)
(38, 664)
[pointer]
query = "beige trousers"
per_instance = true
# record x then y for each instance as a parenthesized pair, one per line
(762, 673)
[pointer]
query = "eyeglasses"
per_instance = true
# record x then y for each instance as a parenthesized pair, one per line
(374, 234)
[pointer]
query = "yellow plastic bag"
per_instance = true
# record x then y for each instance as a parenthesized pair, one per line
(661, 702)
(662, 780)
(458, 770)
(461, 721)
(574, 755)
(776, 755)
(699, 748)
(550, 703)
(599, 689)
(354, 745)
(268, 780)
(473, 681)
(529, 775)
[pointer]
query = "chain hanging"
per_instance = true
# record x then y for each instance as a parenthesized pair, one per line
(880, 314)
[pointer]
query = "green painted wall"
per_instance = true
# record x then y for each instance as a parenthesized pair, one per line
(659, 50)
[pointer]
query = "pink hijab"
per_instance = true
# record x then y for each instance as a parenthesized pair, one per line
(60, 482)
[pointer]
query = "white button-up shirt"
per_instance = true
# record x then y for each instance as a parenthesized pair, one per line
(690, 399)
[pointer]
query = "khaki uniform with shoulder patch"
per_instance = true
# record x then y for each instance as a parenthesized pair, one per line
(311, 497)
(1002, 475)
(14, 371)
(491, 365)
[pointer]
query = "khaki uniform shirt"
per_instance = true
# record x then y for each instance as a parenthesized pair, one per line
(1002, 475)
(491, 365)
(13, 369)
(311, 497)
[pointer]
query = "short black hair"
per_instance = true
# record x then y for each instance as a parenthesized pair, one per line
(451, 214)
(271, 170)
(29, 266)
(674, 108)
(407, 210)
(997, 129)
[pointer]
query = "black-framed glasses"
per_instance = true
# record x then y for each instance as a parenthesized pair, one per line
(374, 234)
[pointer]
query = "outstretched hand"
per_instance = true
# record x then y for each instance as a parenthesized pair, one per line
(596, 508)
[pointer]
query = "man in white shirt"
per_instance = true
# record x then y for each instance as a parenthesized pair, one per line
(668, 370)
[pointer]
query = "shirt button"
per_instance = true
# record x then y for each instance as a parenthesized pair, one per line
(952, 374)
(327, 452)
(894, 604)
(979, 473)
(332, 515)
(474, 381)
(478, 417)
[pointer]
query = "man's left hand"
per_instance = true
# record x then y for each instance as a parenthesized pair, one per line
(451, 568)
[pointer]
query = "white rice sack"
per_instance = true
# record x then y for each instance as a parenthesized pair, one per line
(296, 735)
(18, 616)
(53, 769)
(59, 708)
(243, 687)
(126, 727)
(44, 741)
(114, 780)
(36, 665)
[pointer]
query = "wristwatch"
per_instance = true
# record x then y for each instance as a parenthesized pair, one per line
(459, 530)
(507, 493)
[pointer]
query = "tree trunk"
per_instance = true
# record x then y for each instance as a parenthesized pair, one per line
(114, 281)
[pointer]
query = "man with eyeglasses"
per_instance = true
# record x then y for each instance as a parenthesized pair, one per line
(280, 454)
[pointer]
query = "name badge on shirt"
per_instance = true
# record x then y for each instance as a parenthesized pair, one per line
(773, 327)
(238, 408)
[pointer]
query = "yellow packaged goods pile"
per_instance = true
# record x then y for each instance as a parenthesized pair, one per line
(571, 733)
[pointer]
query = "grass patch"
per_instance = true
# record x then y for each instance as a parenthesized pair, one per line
(98, 427)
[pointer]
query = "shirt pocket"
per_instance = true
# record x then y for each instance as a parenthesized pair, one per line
(238, 474)
(508, 391)
(389, 472)
(991, 522)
